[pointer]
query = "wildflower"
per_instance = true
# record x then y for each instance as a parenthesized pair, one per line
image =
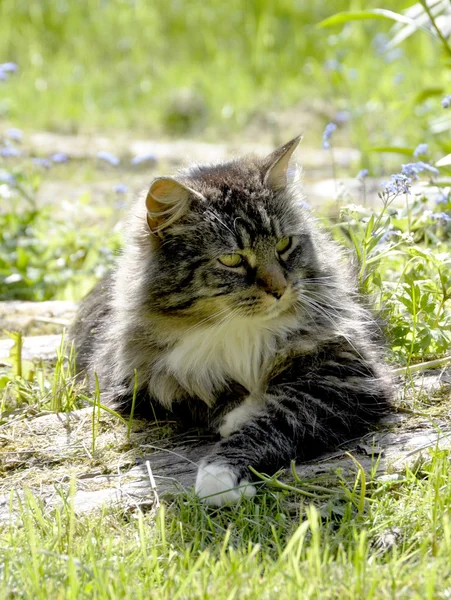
(442, 218)
(398, 78)
(342, 116)
(328, 131)
(120, 188)
(140, 159)
(420, 150)
(42, 162)
(446, 102)
(363, 174)
(14, 134)
(332, 65)
(9, 67)
(7, 178)
(413, 169)
(399, 184)
(9, 151)
(387, 235)
(109, 158)
(441, 198)
(59, 157)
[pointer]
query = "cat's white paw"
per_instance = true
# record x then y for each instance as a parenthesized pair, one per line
(217, 484)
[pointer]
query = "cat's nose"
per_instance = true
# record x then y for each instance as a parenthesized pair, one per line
(272, 280)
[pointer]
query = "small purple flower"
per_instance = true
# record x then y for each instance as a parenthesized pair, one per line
(399, 184)
(59, 157)
(9, 67)
(42, 162)
(328, 131)
(413, 169)
(7, 178)
(143, 158)
(332, 65)
(120, 188)
(420, 150)
(442, 198)
(109, 158)
(342, 116)
(14, 134)
(387, 235)
(363, 174)
(9, 151)
(442, 218)
(446, 102)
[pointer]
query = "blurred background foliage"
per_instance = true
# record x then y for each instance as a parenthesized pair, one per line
(374, 75)
(212, 68)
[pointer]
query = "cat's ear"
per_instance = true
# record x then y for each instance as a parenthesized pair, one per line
(167, 200)
(276, 176)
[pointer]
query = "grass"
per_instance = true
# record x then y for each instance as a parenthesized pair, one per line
(399, 546)
(212, 69)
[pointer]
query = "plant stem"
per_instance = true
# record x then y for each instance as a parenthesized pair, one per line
(430, 364)
(427, 10)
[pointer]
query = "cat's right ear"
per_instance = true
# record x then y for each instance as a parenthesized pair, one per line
(276, 176)
(167, 201)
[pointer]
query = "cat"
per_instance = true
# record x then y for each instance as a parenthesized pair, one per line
(239, 313)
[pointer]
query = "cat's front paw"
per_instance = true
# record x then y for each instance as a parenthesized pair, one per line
(217, 484)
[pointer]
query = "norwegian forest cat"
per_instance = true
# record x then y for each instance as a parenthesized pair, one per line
(239, 313)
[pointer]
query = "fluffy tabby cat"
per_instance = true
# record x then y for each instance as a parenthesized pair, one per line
(238, 313)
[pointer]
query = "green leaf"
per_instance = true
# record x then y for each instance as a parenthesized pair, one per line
(393, 150)
(428, 93)
(446, 160)
(363, 15)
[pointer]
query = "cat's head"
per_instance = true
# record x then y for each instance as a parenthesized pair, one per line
(229, 238)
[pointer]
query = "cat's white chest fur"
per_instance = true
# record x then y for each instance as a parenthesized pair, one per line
(204, 359)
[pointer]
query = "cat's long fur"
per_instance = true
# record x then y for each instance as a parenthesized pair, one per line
(277, 355)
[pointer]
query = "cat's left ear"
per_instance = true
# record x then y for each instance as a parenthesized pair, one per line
(167, 201)
(276, 176)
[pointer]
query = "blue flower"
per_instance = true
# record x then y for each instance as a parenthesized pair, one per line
(342, 116)
(446, 102)
(332, 65)
(9, 67)
(9, 151)
(363, 174)
(420, 150)
(441, 198)
(399, 184)
(442, 218)
(143, 158)
(7, 178)
(120, 188)
(328, 131)
(42, 162)
(413, 169)
(109, 158)
(59, 157)
(387, 235)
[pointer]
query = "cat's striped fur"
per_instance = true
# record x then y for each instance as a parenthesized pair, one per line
(276, 354)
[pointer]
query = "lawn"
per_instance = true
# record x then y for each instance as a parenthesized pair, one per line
(226, 71)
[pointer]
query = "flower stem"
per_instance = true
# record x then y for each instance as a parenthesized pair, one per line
(444, 41)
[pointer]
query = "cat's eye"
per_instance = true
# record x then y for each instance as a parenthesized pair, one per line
(283, 245)
(231, 260)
